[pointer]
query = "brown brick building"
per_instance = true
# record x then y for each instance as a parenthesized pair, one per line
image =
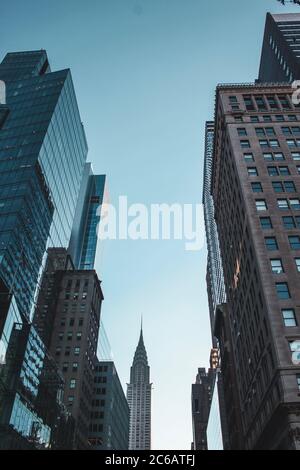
(69, 307)
(256, 192)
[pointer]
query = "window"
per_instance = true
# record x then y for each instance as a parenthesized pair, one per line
(72, 383)
(264, 143)
(273, 171)
(289, 186)
(69, 337)
(72, 321)
(61, 336)
(288, 222)
(272, 102)
(283, 204)
(245, 144)
(289, 317)
(295, 204)
(297, 221)
(297, 262)
(266, 223)
(65, 366)
(271, 243)
(274, 143)
(78, 336)
(283, 170)
(248, 157)
(80, 322)
(260, 103)
(284, 101)
(294, 242)
(57, 351)
(267, 118)
(67, 351)
(291, 143)
(292, 117)
(279, 157)
(261, 205)
(268, 157)
(298, 169)
(70, 400)
(277, 186)
(270, 131)
(254, 119)
(257, 187)
(238, 118)
(276, 266)
(63, 322)
(282, 289)
(296, 156)
(296, 129)
(279, 117)
(286, 131)
(252, 171)
(76, 351)
(260, 131)
(249, 103)
(298, 382)
(242, 131)
(75, 366)
(233, 99)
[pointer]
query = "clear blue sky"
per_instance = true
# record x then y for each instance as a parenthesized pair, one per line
(145, 73)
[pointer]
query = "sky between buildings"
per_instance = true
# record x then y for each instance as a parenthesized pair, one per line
(145, 72)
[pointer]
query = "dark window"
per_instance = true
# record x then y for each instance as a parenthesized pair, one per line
(245, 144)
(294, 242)
(273, 171)
(254, 119)
(282, 289)
(286, 131)
(277, 186)
(289, 186)
(288, 222)
(295, 204)
(292, 117)
(266, 223)
(242, 132)
(260, 131)
(279, 117)
(271, 243)
(284, 170)
(267, 118)
(252, 171)
(257, 187)
(248, 157)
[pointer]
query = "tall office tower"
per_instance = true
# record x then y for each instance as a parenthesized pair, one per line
(214, 276)
(69, 306)
(109, 428)
(32, 414)
(280, 59)
(83, 244)
(42, 154)
(201, 400)
(214, 272)
(139, 399)
(256, 191)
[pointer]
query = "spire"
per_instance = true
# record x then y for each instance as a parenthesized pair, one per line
(140, 352)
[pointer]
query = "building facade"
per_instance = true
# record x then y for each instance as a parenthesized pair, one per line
(109, 427)
(83, 243)
(201, 400)
(280, 59)
(42, 155)
(256, 192)
(73, 318)
(139, 399)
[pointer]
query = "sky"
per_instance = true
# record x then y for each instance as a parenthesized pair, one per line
(145, 73)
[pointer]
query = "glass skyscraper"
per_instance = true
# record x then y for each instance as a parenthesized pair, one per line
(83, 244)
(42, 155)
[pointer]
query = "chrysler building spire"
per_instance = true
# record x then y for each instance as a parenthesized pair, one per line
(139, 399)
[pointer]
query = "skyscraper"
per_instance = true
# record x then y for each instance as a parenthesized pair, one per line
(83, 244)
(109, 428)
(256, 192)
(201, 400)
(42, 154)
(280, 58)
(139, 399)
(68, 319)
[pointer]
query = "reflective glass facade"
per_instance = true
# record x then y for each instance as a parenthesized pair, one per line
(83, 244)
(42, 155)
(214, 427)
